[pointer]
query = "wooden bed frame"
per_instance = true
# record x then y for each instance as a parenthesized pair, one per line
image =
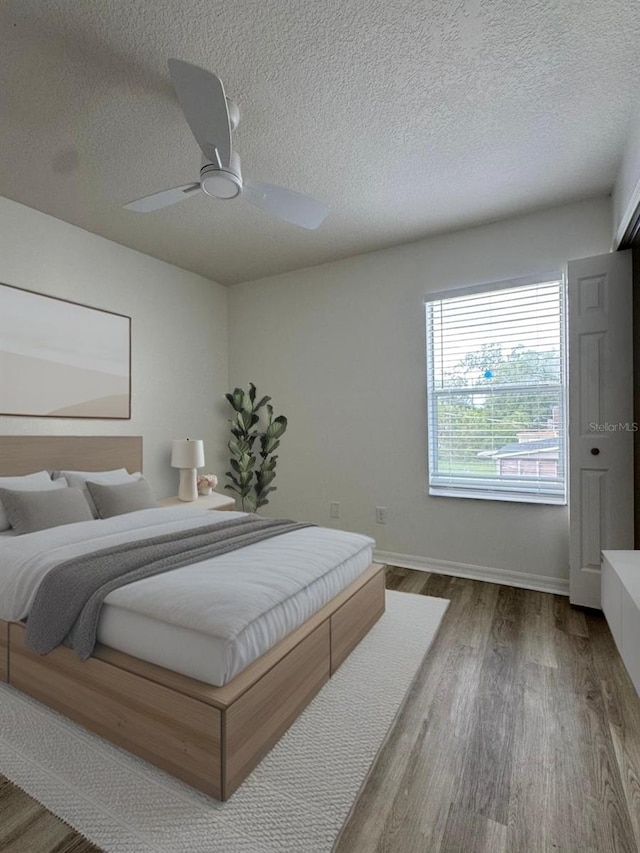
(210, 737)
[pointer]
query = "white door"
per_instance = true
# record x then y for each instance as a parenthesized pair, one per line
(600, 417)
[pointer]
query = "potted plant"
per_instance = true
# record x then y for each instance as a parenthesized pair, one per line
(252, 446)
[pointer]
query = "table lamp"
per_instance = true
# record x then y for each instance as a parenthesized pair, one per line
(187, 454)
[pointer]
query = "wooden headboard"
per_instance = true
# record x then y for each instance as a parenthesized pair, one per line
(24, 454)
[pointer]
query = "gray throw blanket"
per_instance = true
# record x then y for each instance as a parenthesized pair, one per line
(66, 608)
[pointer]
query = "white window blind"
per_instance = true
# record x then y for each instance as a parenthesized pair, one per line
(496, 392)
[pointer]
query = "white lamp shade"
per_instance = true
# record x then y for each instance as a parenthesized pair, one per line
(187, 453)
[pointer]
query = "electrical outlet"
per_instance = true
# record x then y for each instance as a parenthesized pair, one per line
(334, 509)
(381, 515)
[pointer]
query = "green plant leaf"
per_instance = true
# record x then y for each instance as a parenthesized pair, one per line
(250, 503)
(236, 399)
(278, 426)
(269, 445)
(269, 464)
(247, 419)
(239, 447)
(246, 463)
(265, 477)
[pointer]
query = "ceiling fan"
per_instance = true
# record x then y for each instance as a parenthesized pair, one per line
(212, 117)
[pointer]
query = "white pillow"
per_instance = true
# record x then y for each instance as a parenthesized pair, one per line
(78, 480)
(39, 482)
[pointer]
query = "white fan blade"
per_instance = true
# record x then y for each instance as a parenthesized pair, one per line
(162, 199)
(293, 207)
(201, 96)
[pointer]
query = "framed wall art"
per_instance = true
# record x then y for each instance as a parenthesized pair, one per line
(61, 359)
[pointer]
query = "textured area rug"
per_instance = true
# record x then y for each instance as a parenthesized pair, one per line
(294, 802)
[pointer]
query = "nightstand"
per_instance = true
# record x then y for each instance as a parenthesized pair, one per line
(212, 501)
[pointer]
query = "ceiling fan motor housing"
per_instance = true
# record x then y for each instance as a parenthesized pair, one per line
(223, 182)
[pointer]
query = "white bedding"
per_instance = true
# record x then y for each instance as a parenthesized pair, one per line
(208, 620)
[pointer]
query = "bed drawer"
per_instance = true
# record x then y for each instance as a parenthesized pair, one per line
(174, 732)
(354, 619)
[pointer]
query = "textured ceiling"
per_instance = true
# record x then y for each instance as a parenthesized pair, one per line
(408, 117)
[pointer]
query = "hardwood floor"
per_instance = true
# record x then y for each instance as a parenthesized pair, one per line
(521, 734)
(27, 827)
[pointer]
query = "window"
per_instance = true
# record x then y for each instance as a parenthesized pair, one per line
(496, 391)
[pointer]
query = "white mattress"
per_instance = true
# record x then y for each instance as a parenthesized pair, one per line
(208, 620)
(216, 659)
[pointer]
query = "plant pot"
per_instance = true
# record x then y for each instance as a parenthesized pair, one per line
(206, 490)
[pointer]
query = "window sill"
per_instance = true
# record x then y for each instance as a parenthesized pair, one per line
(549, 500)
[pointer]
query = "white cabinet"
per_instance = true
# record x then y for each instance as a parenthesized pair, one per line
(631, 636)
(621, 606)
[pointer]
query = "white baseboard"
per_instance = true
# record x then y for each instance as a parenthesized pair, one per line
(541, 583)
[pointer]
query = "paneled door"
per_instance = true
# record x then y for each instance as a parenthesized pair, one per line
(600, 417)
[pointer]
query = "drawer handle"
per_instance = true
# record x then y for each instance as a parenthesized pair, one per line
(595, 451)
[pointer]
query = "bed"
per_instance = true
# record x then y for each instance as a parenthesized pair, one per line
(207, 714)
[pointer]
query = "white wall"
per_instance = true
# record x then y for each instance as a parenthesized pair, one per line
(626, 192)
(341, 350)
(179, 335)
